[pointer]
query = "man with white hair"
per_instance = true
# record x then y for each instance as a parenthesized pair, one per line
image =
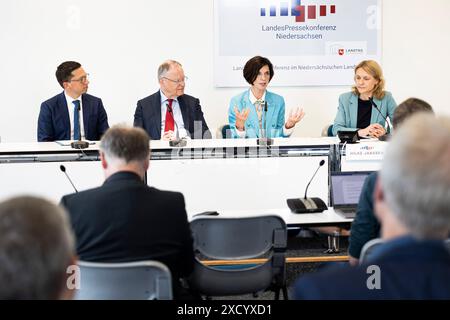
(169, 113)
(412, 202)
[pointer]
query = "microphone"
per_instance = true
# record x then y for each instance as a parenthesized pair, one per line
(322, 162)
(177, 142)
(387, 135)
(79, 144)
(63, 169)
(263, 140)
(308, 205)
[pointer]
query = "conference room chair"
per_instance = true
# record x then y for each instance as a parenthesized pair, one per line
(327, 131)
(231, 239)
(223, 132)
(367, 249)
(140, 280)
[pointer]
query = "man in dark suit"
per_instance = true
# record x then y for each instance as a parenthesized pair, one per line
(126, 220)
(72, 114)
(169, 112)
(365, 226)
(411, 201)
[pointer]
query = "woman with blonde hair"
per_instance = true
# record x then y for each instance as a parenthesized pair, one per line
(356, 109)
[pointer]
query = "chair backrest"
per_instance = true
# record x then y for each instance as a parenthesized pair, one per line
(327, 131)
(235, 239)
(141, 280)
(368, 248)
(223, 132)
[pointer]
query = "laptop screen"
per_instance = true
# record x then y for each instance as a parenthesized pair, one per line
(346, 187)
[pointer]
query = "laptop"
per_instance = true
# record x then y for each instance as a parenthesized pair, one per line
(346, 188)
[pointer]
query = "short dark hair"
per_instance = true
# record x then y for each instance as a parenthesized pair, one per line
(64, 71)
(252, 67)
(126, 143)
(409, 107)
(36, 247)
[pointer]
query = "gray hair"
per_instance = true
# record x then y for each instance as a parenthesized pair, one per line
(126, 143)
(36, 247)
(415, 175)
(165, 67)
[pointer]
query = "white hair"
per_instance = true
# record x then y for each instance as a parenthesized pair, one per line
(415, 175)
(165, 67)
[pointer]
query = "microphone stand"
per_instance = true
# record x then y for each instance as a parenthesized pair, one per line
(63, 169)
(79, 144)
(263, 140)
(177, 143)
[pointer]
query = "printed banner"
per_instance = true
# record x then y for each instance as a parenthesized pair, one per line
(309, 42)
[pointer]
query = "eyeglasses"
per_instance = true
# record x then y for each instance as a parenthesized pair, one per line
(177, 81)
(83, 79)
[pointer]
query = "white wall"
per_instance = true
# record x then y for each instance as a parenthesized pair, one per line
(121, 44)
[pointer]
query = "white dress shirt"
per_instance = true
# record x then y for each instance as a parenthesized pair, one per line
(177, 116)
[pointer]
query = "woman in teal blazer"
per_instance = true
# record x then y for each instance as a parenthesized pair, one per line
(356, 112)
(246, 112)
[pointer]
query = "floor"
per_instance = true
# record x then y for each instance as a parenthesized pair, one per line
(305, 244)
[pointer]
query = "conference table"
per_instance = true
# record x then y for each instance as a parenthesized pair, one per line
(231, 176)
(319, 219)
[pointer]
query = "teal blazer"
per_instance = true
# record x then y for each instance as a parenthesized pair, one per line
(274, 120)
(347, 114)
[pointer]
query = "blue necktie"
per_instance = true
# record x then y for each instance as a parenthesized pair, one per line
(76, 120)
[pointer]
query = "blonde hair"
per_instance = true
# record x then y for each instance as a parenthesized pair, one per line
(374, 69)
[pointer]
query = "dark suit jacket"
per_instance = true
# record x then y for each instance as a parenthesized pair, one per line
(125, 220)
(409, 269)
(148, 116)
(54, 121)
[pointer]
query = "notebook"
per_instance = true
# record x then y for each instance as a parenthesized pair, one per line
(346, 188)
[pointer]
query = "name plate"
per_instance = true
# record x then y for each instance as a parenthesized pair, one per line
(365, 151)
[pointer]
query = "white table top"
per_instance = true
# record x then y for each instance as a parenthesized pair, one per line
(159, 144)
(327, 217)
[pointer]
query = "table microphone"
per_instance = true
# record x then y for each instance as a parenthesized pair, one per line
(63, 169)
(79, 144)
(263, 140)
(177, 142)
(308, 205)
(386, 136)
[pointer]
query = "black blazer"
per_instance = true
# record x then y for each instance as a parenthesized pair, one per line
(148, 116)
(54, 121)
(125, 220)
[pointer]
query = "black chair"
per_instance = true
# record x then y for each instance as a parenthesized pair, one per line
(327, 131)
(235, 239)
(224, 132)
(141, 280)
